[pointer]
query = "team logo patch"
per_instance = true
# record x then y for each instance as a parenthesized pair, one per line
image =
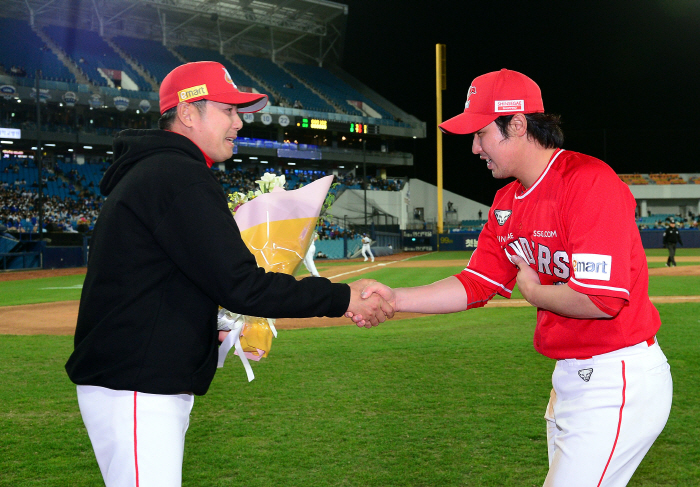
(472, 91)
(592, 266)
(585, 374)
(228, 79)
(509, 106)
(502, 215)
(194, 92)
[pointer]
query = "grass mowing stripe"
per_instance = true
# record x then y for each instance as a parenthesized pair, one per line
(407, 276)
(674, 285)
(680, 252)
(446, 255)
(43, 290)
(656, 265)
(453, 400)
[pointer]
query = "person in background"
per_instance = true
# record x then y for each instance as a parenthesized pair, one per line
(366, 242)
(671, 238)
(309, 257)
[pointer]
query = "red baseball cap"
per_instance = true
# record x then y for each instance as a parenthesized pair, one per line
(206, 80)
(492, 95)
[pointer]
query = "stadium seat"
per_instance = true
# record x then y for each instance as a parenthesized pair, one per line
(241, 79)
(90, 52)
(29, 52)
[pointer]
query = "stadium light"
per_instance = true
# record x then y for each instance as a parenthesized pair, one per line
(263, 162)
(70, 150)
(50, 145)
(238, 160)
(292, 163)
(87, 147)
(253, 158)
(341, 167)
(110, 152)
(6, 142)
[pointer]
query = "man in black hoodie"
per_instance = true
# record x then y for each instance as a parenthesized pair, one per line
(165, 253)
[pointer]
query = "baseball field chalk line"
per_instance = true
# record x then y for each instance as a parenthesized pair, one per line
(361, 269)
(75, 286)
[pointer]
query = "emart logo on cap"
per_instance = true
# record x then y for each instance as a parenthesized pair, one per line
(194, 92)
(509, 106)
(592, 266)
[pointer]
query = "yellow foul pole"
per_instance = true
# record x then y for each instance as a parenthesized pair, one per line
(440, 84)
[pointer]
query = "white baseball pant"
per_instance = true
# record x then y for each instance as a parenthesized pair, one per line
(309, 261)
(138, 438)
(365, 248)
(604, 414)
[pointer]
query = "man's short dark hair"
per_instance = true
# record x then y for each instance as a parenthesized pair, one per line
(165, 122)
(544, 128)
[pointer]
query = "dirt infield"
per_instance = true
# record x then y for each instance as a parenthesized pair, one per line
(59, 318)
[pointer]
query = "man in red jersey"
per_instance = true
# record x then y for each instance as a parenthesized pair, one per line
(548, 231)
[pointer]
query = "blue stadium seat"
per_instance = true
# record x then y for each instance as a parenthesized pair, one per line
(284, 83)
(90, 52)
(152, 55)
(241, 79)
(334, 87)
(25, 49)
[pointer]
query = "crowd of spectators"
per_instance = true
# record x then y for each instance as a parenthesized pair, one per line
(373, 183)
(19, 209)
(238, 180)
(690, 222)
(328, 231)
(19, 212)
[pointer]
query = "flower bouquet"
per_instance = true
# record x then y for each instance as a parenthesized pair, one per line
(277, 227)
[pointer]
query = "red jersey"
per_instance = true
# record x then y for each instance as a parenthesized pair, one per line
(576, 227)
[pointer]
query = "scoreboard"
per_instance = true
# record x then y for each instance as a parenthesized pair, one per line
(415, 240)
(332, 125)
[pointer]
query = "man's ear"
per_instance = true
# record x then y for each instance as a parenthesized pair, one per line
(185, 114)
(518, 125)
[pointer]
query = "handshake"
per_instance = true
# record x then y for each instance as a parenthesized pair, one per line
(371, 303)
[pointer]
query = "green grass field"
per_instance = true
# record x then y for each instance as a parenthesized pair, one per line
(453, 400)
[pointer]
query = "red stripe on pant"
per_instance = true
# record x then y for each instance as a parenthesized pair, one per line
(619, 422)
(136, 457)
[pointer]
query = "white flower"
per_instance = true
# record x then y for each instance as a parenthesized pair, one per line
(269, 181)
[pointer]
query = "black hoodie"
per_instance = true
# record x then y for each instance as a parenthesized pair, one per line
(165, 253)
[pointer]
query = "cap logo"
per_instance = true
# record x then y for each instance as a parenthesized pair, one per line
(194, 92)
(509, 106)
(472, 91)
(228, 79)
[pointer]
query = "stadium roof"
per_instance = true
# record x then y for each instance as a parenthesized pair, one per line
(306, 30)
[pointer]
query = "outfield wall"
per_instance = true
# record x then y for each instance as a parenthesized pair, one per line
(425, 240)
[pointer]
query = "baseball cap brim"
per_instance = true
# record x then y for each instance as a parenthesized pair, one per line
(467, 123)
(246, 102)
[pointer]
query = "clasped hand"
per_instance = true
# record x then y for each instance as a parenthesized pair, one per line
(371, 303)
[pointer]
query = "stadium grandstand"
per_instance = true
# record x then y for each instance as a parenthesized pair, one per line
(96, 67)
(73, 74)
